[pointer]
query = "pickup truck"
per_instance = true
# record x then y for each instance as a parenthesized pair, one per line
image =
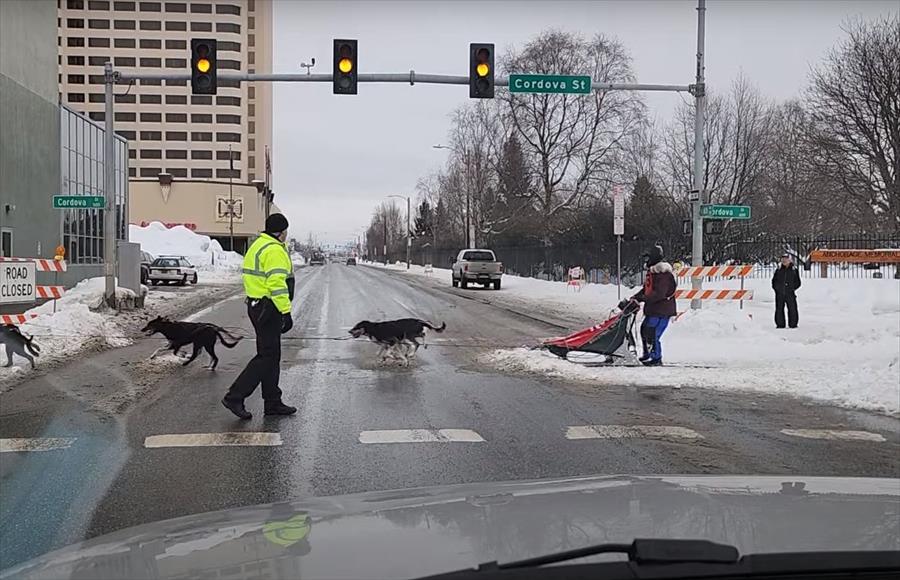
(477, 267)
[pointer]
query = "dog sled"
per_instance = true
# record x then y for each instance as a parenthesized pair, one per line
(610, 342)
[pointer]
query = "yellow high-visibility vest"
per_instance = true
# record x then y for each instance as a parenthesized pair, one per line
(266, 268)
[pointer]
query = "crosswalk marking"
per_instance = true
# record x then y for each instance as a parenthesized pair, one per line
(420, 436)
(835, 435)
(35, 444)
(213, 440)
(630, 432)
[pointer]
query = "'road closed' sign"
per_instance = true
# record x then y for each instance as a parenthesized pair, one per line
(17, 282)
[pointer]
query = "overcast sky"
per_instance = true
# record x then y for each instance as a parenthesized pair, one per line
(336, 157)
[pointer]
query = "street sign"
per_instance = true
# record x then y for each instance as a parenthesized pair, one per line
(79, 202)
(725, 212)
(17, 282)
(563, 84)
(618, 212)
(694, 195)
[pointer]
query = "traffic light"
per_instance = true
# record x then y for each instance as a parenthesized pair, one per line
(203, 66)
(481, 71)
(345, 67)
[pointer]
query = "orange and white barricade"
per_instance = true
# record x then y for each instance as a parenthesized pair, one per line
(728, 271)
(714, 294)
(41, 292)
(41, 264)
(575, 278)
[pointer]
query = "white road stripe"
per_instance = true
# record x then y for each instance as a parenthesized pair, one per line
(213, 440)
(835, 435)
(35, 444)
(420, 436)
(630, 432)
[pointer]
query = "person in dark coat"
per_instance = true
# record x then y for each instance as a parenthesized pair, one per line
(785, 283)
(658, 296)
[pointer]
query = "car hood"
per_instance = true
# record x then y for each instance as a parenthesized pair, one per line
(422, 531)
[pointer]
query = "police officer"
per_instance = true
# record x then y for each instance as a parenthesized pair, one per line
(268, 283)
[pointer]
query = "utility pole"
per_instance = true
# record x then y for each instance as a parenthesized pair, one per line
(408, 227)
(109, 188)
(700, 197)
(230, 199)
(384, 228)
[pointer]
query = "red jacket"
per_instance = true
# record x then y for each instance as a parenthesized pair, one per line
(658, 293)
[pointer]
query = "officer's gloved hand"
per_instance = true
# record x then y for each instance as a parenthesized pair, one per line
(290, 286)
(287, 322)
(623, 304)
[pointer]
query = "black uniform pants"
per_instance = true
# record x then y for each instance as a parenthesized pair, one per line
(790, 300)
(265, 367)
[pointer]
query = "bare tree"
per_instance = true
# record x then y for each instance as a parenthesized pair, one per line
(854, 101)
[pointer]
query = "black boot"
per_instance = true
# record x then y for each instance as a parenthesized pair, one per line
(237, 407)
(279, 408)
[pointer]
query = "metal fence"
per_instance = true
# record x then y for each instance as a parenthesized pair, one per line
(599, 259)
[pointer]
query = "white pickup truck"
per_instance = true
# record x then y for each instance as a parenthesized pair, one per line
(477, 267)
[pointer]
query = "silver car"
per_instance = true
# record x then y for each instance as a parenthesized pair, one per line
(175, 269)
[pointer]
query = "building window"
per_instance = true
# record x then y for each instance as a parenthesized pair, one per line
(127, 99)
(251, 5)
(176, 154)
(151, 99)
(251, 144)
(251, 127)
(176, 135)
(151, 136)
(123, 43)
(251, 162)
(96, 79)
(98, 24)
(223, 155)
(97, 98)
(123, 24)
(201, 173)
(123, 6)
(151, 43)
(176, 99)
(96, 116)
(201, 154)
(151, 25)
(151, 154)
(201, 9)
(124, 61)
(150, 171)
(251, 40)
(201, 26)
(151, 7)
(125, 117)
(177, 171)
(251, 58)
(228, 27)
(151, 83)
(176, 117)
(76, 97)
(230, 119)
(75, 79)
(132, 153)
(251, 22)
(201, 136)
(228, 64)
(251, 109)
(171, 83)
(176, 44)
(176, 62)
(228, 45)
(229, 101)
(228, 173)
(75, 23)
(98, 42)
(129, 135)
(228, 137)
(75, 60)
(75, 4)
(176, 25)
(228, 9)
(98, 5)
(176, 7)
(76, 42)
(228, 84)
(97, 60)
(251, 92)
(151, 62)
(151, 117)
(132, 172)
(201, 118)
(201, 100)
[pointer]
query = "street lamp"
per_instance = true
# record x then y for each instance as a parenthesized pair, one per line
(468, 200)
(408, 231)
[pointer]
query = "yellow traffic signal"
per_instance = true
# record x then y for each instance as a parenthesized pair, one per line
(481, 71)
(203, 65)
(346, 63)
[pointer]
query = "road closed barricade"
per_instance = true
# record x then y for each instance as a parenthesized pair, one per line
(19, 287)
(728, 271)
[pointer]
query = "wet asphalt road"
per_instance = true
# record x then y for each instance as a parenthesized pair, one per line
(106, 479)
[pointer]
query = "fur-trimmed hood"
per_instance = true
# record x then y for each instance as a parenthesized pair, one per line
(661, 268)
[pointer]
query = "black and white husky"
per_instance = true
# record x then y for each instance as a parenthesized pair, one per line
(397, 338)
(18, 343)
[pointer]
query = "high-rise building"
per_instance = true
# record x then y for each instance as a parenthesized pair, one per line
(170, 131)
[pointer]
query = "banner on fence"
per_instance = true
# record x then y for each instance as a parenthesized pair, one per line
(855, 256)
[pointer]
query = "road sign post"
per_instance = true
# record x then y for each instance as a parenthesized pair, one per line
(557, 84)
(618, 231)
(78, 202)
(725, 212)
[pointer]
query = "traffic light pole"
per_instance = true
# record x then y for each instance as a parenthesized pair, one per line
(699, 93)
(109, 189)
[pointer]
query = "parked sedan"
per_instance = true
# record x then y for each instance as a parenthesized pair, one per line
(172, 269)
(146, 260)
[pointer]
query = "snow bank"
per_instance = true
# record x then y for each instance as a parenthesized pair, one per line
(846, 349)
(201, 251)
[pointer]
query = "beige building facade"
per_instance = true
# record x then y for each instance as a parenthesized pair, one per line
(192, 138)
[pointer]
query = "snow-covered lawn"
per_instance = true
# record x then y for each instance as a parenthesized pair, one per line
(845, 351)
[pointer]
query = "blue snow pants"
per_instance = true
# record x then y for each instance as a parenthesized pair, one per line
(654, 327)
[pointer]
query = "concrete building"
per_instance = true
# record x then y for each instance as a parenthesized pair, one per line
(189, 139)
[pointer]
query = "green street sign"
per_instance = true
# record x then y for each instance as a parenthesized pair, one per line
(564, 84)
(725, 212)
(79, 202)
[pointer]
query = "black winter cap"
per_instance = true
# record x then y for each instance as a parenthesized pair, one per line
(276, 223)
(655, 255)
